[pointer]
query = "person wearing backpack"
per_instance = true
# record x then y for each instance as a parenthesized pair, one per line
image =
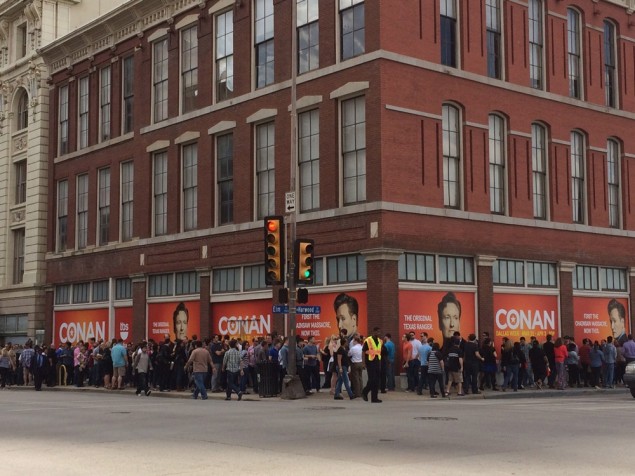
(455, 367)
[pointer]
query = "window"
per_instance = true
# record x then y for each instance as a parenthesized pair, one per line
(586, 278)
(160, 193)
(613, 179)
(354, 149)
(82, 211)
(254, 278)
(613, 279)
(62, 214)
(225, 164)
(104, 206)
(541, 275)
(496, 164)
(160, 79)
(309, 159)
(186, 283)
(190, 159)
(189, 69)
(224, 55)
(493, 27)
(20, 181)
(539, 170)
(577, 177)
(104, 103)
(18, 256)
(226, 280)
(264, 43)
(81, 293)
(63, 294)
(63, 120)
(23, 111)
(451, 157)
(610, 64)
(265, 168)
(14, 324)
(161, 285)
(83, 112)
(417, 267)
(535, 43)
(573, 53)
(128, 94)
(123, 288)
(454, 269)
(308, 35)
(448, 33)
(346, 269)
(127, 200)
(21, 41)
(508, 272)
(352, 26)
(101, 291)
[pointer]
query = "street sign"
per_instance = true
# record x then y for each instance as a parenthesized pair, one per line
(284, 309)
(289, 202)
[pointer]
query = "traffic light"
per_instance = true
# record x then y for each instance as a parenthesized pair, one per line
(303, 254)
(274, 250)
(303, 296)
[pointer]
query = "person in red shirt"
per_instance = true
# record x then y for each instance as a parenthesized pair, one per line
(560, 351)
(406, 354)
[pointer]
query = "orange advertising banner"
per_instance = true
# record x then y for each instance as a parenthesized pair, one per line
(596, 318)
(176, 320)
(525, 315)
(247, 319)
(123, 324)
(73, 326)
(439, 313)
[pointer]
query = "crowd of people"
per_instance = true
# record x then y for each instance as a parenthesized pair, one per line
(236, 366)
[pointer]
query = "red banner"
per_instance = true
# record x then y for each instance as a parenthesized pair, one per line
(73, 326)
(180, 320)
(123, 324)
(525, 315)
(596, 318)
(439, 313)
(255, 318)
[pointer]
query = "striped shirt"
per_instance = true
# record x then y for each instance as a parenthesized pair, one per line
(231, 361)
(434, 364)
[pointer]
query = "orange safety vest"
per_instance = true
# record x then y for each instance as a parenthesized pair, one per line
(374, 350)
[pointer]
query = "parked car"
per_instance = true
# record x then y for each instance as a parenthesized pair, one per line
(629, 377)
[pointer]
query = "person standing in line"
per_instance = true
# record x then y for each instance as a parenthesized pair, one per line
(548, 347)
(572, 363)
(409, 362)
(539, 364)
(342, 363)
(390, 366)
(455, 367)
(436, 371)
(200, 361)
(357, 365)
(629, 349)
(372, 362)
(40, 367)
(119, 356)
(217, 352)
(424, 353)
(232, 364)
(610, 356)
(142, 366)
(597, 359)
(312, 364)
(585, 361)
(26, 359)
(472, 360)
(560, 355)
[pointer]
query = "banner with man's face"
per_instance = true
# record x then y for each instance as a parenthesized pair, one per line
(596, 318)
(176, 320)
(438, 313)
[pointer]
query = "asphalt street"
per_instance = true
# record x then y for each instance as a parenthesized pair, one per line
(75, 433)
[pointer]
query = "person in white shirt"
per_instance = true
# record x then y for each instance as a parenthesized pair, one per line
(357, 365)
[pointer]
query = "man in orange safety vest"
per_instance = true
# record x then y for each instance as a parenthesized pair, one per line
(372, 363)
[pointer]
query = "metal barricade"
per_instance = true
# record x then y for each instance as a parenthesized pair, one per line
(268, 379)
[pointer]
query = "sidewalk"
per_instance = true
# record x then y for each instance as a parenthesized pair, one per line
(324, 394)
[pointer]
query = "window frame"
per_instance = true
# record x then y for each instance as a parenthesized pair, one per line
(265, 172)
(355, 9)
(20, 171)
(224, 57)
(189, 186)
(19, 251)
(609, 55)
(497, 149)
(448, 33)
(83, 111)
(159, 194)
(308, 35)
(264, 34)
(188, 68)
(105, 103)
(493, 32)
(540, 171)
(63, 116)
(160, 80)
(353, 132)
(22, 118)
(613, 169)
(103, 204)
(82, 182)
(309, 160)
(536, 29)
(452, 160)
(127, 95)
(225, 179)
(574, 53)
(578, 177)
(127, 200)
(62, 216)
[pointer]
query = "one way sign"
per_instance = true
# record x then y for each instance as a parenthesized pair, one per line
(290, 202)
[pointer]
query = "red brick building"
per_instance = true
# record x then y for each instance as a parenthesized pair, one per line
(482, 148)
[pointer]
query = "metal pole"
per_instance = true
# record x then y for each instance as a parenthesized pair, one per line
(293, 158)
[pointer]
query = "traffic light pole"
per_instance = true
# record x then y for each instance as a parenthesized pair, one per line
(291, 219)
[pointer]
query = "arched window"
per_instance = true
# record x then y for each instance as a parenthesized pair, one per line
(23, 111)
(574, 53)
(578, 186)
(536, 42)
(539, 170)
(610, 64)
(451, 157)
(497, 164)
(613, 182)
